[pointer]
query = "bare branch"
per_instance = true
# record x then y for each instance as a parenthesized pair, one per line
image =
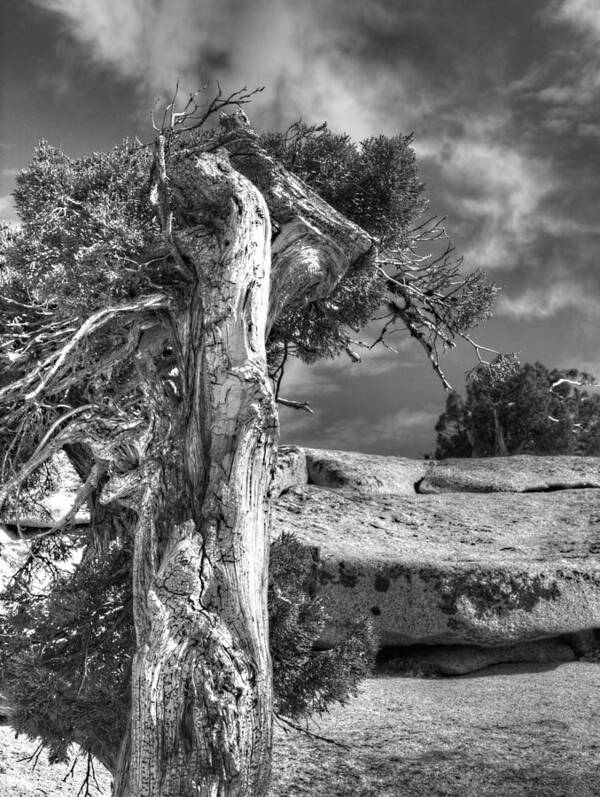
(296, 405)
(81, 496)
(284, 721)
(95, 322)
(354, 356)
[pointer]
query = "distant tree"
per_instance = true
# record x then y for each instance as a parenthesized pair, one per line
(452, 429)
(149, 303)
(521, 409)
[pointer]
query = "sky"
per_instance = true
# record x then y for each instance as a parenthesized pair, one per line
(503, 98)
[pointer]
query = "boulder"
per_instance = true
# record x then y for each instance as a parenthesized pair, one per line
(463, 659)
(518, 474)
(484, 569)
(368, 474)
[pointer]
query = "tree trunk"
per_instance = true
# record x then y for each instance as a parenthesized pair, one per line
(201, 719)
(201, 685)
(500, 449)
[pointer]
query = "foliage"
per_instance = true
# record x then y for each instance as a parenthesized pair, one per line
(375, 183)
(90, 244)
(87, 227)
(65, 657)
(305, 680)
(521, 409)
(453, 434)
(416, 286)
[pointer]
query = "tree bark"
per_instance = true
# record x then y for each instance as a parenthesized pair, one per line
(201, 685)
(201, 718)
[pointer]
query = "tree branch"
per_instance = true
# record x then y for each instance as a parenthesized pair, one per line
(296, 405)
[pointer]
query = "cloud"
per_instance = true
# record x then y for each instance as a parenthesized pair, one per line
(303, 382)
(152, 42)
(494, 186)
(583, 15)
(541, 303)
(301, 51)
(570, 82)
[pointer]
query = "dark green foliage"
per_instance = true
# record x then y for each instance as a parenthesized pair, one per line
(87, 227)
(65, 657)
(318, 330)
(452, 429)
(90, 237)
(8, 235)
(376, 185)
(521, 409)
(306, 681)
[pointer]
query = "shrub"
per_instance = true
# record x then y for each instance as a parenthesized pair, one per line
(65, 656)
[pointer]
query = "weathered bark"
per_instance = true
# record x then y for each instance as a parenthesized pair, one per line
(201, 685)
(201, 688)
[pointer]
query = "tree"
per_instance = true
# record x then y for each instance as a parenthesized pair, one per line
(149, 304)
(453, 430)
(521, 409)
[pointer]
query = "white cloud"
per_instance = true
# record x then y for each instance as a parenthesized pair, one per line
(494, 185)
(292, 48)
(542, 303)
(153, 42)
(578, 89)
(583, 15)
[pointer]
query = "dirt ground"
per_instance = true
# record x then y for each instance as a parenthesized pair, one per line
(508, 730)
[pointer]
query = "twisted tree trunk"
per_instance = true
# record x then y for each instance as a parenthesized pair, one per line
(162, 401)
(201, 719)
(201, 684)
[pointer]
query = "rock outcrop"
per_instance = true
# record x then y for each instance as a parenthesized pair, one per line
(488, 562)
(462, 563)
(367, 474)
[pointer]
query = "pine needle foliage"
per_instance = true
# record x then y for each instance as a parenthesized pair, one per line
(66, 654)
(66, 649)
(374, 183)
(308, 681)
(87, 227)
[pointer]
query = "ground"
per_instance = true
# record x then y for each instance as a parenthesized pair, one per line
(518, 730)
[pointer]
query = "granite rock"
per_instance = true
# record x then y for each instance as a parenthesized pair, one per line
(367, 474)
(476, 568)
